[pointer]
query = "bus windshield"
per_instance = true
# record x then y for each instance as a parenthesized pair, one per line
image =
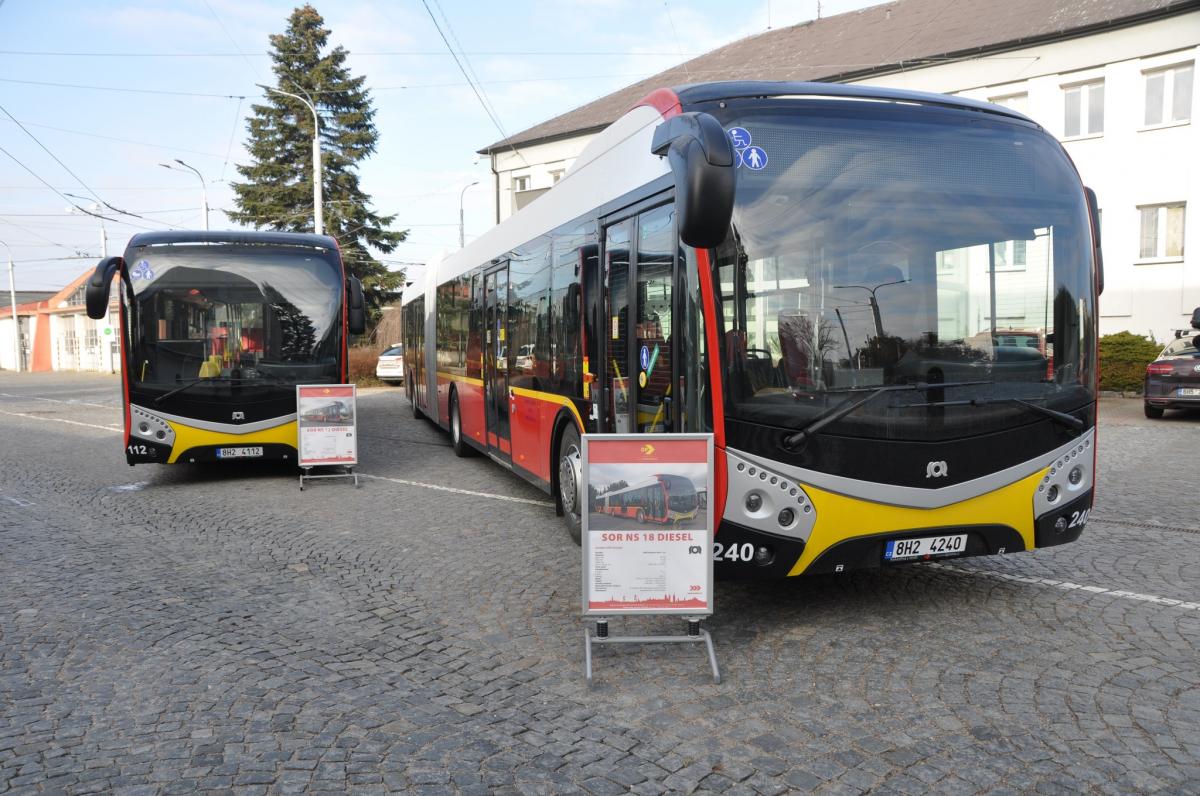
(876, 245)
(221, 317)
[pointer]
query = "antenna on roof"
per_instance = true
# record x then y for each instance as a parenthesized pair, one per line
(768, 14)
(818, 9)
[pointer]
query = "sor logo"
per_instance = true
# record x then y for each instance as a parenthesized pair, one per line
(239, 415)
(936, 470)
(695, 550)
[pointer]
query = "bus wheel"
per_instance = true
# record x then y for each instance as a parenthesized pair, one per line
(641, 517)
(570, 476)
(460, 446)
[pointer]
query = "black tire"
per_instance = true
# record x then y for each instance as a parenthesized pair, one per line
(460, 446)
(641, 517)
(570, 476)
(1153, 412)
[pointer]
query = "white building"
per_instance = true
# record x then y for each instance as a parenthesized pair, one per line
(1113, 80)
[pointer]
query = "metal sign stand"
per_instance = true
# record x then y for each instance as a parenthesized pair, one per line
(695, 635)
(348, 474)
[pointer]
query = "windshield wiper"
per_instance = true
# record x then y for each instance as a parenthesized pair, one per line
(1062, 417)
(213, 380)
(834, 414)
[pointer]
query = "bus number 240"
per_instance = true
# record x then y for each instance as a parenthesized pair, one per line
(735, 552)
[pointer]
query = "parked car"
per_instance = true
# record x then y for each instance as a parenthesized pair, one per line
(1173, 380)
(390, 367)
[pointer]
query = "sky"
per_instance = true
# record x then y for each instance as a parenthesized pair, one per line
(94, 96)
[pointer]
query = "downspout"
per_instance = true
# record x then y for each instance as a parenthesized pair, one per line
(496, 177)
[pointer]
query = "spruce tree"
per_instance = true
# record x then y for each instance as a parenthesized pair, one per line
(278, 190)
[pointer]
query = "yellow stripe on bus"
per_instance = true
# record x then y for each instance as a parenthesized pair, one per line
(562, 400)
(441, 374)
(188, 437)
(840, 517)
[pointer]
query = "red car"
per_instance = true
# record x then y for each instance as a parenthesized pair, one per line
(1173, 380)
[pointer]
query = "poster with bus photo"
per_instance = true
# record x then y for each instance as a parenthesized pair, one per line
(647, 527)
(327, 424)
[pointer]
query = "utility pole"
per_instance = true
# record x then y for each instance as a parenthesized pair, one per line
(12, 297)
(318, 213)
(94, 211)
(203, 187)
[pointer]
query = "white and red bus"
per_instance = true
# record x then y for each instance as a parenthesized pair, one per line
(817, 275)
(661, 498)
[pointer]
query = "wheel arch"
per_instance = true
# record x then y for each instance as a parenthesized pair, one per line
(561, 420)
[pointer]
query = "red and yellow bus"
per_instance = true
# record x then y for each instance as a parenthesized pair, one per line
(661, 498)
(817, 275)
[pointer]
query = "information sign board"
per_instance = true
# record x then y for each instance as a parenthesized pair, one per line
(647, 535)
(327, 423)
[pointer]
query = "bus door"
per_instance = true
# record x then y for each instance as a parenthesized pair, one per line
(654, 363)
(639, 362)
(495, 361)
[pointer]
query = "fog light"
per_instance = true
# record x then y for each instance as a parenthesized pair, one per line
(786, 517)
(763, 555)
(1052, 493)
(753, 502)
(1076, 475)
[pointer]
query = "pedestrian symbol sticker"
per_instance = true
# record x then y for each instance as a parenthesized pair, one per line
(739, 137)
(644, 357)
(142, 270)
(754, 157)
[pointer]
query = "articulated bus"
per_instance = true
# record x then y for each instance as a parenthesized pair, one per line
(217, 329)
(662, 498)
(881, 303)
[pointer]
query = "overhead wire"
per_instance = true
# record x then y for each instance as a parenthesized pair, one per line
(474, 88)
(119, 140)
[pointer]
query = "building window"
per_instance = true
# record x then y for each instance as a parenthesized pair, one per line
(1016, 102)
(555, 176)
(521, 183)
(1010, 255)
(1169, 95)
(1162, 231)
(1084, 109)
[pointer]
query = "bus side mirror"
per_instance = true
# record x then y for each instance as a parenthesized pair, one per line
(99, 284)
(356, 307)
(1094, 215)
(701, 158)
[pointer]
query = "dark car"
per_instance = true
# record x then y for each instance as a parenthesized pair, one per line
(1173, 380)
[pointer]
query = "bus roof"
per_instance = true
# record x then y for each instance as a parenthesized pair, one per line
(233, 237)
(594, 178)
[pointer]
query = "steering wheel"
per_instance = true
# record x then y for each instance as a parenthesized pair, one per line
(758, 353)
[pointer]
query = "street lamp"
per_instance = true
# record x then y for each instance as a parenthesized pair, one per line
(93, 211)
(874, 303)
(12, 297)
(203, 188)
(318, 215)
(461, 229)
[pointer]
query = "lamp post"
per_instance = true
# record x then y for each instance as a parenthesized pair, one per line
(93, 211)
(318, 214)
(12, 297)
(461, 229)
(203, 187)
(874, 303)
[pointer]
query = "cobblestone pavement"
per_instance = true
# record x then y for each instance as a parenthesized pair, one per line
(213, 629)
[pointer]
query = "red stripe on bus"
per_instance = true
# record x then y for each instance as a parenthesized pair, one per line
(663, 100)
(714, 371)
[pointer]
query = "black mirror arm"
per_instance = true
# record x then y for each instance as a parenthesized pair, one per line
(99, 284)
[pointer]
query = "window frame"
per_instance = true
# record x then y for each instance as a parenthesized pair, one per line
(1160, 248)
(1084, 87)
(1166, 104)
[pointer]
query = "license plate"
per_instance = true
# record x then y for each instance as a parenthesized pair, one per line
(905, 549)
(239, 453)
(1189, 390)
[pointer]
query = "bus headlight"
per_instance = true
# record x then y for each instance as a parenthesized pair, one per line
(786, 518)
(1076, 475)
(753, 502)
